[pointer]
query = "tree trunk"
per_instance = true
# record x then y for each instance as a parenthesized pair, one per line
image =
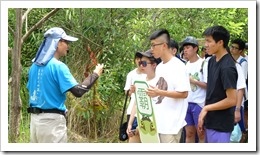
(15, 101)
(15, 104)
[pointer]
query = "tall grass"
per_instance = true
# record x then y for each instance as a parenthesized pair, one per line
(24, 136)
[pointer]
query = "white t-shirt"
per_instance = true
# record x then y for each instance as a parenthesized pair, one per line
(246, 57)
(244, 66)
(241, 82)
(153, 82)
(205, 69)
(170, 112)
(132, 76)
(197, 94)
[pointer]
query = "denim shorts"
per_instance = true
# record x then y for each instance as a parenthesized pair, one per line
(134, 125)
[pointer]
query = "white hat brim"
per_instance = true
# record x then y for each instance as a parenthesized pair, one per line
(69, 38)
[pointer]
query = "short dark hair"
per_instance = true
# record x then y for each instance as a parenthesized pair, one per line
(159, 33)
(218, 33)
(154, 60)
(240, 43)
(174, 44)
(137, 55)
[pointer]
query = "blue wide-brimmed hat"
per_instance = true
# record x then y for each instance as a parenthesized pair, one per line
(49, 45)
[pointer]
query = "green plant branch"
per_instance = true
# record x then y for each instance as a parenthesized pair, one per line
(79, 34)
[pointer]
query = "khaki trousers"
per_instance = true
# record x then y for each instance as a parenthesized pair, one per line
(170, 138)
(48, 128)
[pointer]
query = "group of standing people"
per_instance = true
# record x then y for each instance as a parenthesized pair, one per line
(202, 95)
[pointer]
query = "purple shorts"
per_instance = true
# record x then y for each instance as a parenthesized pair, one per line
(213, 136)
(192, 114)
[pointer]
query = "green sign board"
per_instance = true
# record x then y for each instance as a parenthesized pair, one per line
(145, 114)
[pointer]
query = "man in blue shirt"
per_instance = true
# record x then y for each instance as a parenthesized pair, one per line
(49, 80)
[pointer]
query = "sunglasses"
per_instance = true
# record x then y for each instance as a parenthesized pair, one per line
(143, 63)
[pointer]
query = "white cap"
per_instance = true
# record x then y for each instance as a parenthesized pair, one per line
(58, 33)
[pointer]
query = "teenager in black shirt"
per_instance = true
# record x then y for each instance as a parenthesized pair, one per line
(217, 116)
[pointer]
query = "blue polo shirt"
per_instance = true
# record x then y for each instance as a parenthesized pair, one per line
(48, 85)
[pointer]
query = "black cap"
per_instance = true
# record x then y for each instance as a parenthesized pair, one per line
(190, 40)
(149, 54)
(138, 55)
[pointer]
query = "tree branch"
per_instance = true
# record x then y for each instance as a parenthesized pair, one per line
(24, 17)
(10, 29)
(25, 14)
(39, 23)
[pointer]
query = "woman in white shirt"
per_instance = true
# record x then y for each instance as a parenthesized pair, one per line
(148, 64)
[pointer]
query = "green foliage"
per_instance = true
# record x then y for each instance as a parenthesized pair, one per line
(113, 35)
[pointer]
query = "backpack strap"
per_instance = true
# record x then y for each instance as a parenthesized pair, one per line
(241, 61)
(123, 113)
(202, 65)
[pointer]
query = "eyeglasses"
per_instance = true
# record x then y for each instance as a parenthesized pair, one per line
(233, 47)
(153, 45)
(143, 63)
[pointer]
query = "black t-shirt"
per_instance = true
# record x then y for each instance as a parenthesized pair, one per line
(221, 76)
